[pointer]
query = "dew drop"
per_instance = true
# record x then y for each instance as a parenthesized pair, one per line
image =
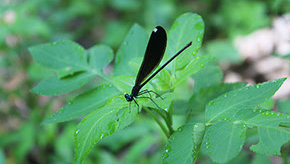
(267, 113)
(272, 113)
(225, 119)
(194, 53)
(207, 143)
(288, 117)
(69, 102)
(180, 129)
(168, 149)
(207, 147)
(198, 39)
(254, 110)
(261, 111)
(202, 65)
(211, 103)
(77, 132)
(165, 155)
(226, 95)
(278, 114)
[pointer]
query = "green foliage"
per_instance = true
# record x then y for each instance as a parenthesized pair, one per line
(226, 105)
(180, 146)
(230, 109)
(77, 73)
(224, 140)
(224, 51)
(102, 122)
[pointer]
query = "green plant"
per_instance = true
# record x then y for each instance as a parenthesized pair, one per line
(219, 132)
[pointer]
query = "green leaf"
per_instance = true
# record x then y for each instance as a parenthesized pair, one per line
(83, 104)
(271, 137)
(210, 75)
(124, 83)
(224, 51)
(270, 141)
(100, 56)
(55, 86)
(188, 27)
(192, 67)
(267, 104)
(133, 46)
(180, 146)
(284, 106)
(102, 122)
(198, 101)
(226, 105)
(267, 119)
(163, 80)
(224, 141)
(65, 57)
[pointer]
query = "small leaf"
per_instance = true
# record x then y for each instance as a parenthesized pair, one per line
(210, 75)
(133, 46)
(65, 57)
(55, 86)
(199, 100)
(179, 149)
(224, 141)
(101, 123)
(192, 67)
(225, 106)
(188, 27)
(83, 104)
(100, 56)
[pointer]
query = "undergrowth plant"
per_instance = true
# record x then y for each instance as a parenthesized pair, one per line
(217, 115)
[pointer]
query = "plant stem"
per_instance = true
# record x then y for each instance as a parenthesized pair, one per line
(157, 120)
(169, 121)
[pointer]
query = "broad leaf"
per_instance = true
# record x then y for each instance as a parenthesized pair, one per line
(224, 141)
(55, 86)
(225, 106)
(102, 122)
(100, 56)
(271, 137)
(83, 104)
(198, 101)
(271, 140)
(180, 148)
(133, 46)
(188, 27)
(65, 57)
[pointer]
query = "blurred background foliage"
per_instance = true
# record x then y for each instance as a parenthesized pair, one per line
(24, 23)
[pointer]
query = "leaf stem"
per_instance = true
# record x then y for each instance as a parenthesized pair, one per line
(169, 121)
(157, 120)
